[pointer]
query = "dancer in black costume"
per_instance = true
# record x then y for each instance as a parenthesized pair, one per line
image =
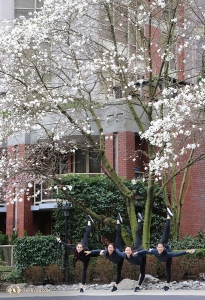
(111, 253)
(81, 251)
(136, 259)
(163, 252)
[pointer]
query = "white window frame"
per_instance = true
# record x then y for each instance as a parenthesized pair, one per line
(35, 8)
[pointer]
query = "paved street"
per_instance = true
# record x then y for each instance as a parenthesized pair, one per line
(107, 295)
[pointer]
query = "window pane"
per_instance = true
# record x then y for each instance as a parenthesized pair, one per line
(94, 163)
(39, 3)
(24, 4)
(22, 12)
(80, 161)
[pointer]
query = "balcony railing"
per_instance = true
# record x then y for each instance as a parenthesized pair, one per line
(46, 196)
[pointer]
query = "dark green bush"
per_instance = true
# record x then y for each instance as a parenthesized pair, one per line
(3, 239)
(100, 270)
(103, 197)
(36, 251)
(3, 268)
(15, 276)
(190, 242)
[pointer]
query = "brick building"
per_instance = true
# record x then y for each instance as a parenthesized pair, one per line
(122, 141)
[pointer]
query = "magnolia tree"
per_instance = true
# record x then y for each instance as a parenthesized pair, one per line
(60, 66)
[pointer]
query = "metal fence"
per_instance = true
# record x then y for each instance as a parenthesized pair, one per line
(7, 254)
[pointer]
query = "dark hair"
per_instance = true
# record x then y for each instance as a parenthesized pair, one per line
(128, 247)
(80, 243)
(107, 253)
(159, 243)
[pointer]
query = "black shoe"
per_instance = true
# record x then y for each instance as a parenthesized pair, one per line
(169, 213)
(114, 288)
(90, 219)
(139, 216)
(137, 289)
(119, 218)
(81, 290)
(166, 288)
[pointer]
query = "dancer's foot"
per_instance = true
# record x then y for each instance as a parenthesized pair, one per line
(114, 288)
(169, 213)
(81, 290)
(119, 218)
(90, 219)
(166, 288)
(137, 289)
(139, 217)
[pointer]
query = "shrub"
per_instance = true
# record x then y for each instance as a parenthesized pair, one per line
(54, 273)
(189, 242)
(3, 239)
(105, 270)
(36, 251)
(15, 276)
(3, 268)
(34, 274)
(103, 197)
(130, 271)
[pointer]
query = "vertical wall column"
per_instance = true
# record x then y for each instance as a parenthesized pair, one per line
(126, 149)
(109, 149)
(19, 216)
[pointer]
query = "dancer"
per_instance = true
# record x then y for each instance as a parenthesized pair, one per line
(81, 251)
(163, 252)
(136, 259)
(111, 253)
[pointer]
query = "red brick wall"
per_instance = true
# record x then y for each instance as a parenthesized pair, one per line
(193, 209)
(109, 148)
(126, 148)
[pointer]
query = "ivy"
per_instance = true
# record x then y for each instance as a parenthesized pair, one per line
(100, 194)
(35, 251)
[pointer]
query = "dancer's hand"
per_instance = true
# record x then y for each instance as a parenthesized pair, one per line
(135, 253)
(58, 239)
(87, 252)
(191, 251)
(101, 252)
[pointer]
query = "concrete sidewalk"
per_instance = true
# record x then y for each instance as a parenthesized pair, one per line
(93, 293)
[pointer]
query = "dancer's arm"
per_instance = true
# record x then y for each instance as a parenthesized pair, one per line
(93, 252)
(143, 252)
(119, 253)
(175, 254)
(65, 244)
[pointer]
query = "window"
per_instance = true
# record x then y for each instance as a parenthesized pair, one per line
(42, 193)
(23, 7)
(86, 161)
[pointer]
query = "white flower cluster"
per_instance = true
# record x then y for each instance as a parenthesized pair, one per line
(178, 129)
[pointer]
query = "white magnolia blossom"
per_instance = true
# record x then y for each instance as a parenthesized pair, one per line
(179, 129)
(56, 67)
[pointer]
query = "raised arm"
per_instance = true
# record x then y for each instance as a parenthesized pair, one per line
(119, 253)
(175, 254)
(65, 245)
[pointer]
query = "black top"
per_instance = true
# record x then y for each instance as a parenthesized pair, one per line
(134, 259)
(164, 256)
(115, 258)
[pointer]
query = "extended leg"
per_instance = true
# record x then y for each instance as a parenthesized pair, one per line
(138, 236)
(166, 233)
(87, 233)
(118, 240)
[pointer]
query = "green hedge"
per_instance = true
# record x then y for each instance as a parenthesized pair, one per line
(100, 270)
(102, 196)
(36, 251)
